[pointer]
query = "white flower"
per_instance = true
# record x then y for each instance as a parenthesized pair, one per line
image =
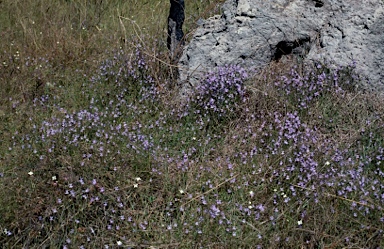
(251, 193)
(50, 85)
(30, 173)
(181, 191)
(300, 222)
(327, 163)
(119, 243)
(135, 185)
(138, 179)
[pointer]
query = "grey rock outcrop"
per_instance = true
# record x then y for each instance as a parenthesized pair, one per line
(253, 33)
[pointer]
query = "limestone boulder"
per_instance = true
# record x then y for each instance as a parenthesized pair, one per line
(253, 33)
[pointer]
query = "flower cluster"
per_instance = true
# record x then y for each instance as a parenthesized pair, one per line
(304, 88)
(129, 72)
(220, 93)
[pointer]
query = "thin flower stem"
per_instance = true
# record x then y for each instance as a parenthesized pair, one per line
(206, 192)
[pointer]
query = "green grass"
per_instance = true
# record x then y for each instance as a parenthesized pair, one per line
(96, 150)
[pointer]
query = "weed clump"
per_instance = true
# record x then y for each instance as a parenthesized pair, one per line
(219, 97)
(126, 73)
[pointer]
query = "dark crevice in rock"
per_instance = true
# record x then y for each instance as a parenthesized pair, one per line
(318, 3)
(249, 15)
(320, 40)
(299, 47)
(341, 31)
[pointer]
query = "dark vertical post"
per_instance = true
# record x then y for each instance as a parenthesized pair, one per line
(175, 28)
